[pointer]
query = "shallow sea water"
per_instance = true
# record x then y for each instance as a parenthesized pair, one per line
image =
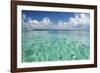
(39, 46)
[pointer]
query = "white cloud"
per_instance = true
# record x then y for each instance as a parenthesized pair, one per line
(78, 20)
(24, 16)
(46, 21)
(85, 19)
(62, 25)
(35, 22)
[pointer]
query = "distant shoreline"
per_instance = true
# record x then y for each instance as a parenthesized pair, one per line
(54, 30)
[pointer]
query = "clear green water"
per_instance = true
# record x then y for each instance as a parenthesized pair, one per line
(38, 46)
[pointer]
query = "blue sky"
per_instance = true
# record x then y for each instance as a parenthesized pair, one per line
(54, 16)
(55, 20)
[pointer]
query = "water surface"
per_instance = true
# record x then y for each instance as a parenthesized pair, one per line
(38, 46)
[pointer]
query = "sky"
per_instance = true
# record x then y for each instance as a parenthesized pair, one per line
(55, 20)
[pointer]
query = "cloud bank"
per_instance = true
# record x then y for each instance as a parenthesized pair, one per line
(79, 21)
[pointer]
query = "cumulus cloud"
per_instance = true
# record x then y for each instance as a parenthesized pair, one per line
(62, 25)
(24, 16)
(79, 20)
(46, 21)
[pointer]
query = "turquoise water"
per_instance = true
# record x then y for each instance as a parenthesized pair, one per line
(38, 46)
